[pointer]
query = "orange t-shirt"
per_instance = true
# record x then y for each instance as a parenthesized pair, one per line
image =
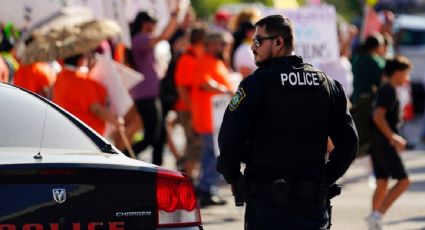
(75, 92)
(119, 54)
(208, 68)
(185, 71)
(34, 77)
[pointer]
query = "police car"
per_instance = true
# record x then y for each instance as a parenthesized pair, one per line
(56, 173)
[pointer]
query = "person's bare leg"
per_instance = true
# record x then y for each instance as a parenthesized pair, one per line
(379, 194)
(393, 194)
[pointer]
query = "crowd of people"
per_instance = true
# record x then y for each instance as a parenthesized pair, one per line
(202, 56)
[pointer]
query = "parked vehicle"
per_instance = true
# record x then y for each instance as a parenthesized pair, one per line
(410, 33)
(56, 173)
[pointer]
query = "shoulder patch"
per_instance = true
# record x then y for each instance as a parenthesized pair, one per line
(236, 100)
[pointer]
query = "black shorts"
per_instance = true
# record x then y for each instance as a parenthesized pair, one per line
(387, 162)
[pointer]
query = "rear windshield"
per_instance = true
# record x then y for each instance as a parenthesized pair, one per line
(28, 122)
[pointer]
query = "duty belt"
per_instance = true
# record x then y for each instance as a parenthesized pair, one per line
(281, 190)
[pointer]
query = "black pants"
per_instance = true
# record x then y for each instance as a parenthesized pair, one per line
(263, 213)
(154, 135)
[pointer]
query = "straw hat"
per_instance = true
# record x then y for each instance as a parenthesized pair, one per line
(60, 43)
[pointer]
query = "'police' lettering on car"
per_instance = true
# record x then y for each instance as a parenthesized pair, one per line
(75, 226)
(299, 79)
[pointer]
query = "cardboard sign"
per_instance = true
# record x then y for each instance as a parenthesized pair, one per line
(219, 106)
(112, 9)
(159, 8)
(25, 13)
(316, 38)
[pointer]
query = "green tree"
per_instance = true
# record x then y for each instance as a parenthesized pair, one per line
(205, 8)
(347, 9)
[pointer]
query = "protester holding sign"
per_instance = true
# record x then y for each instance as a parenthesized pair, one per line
(146, 93)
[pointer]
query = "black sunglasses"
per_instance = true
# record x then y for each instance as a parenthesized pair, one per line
(258, 40)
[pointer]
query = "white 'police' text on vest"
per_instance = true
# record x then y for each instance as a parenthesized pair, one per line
(295, 78)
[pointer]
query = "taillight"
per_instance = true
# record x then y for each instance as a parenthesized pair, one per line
(176, 200)
(186, 196)
(166, 196)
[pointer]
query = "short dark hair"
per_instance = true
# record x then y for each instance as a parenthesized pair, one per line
(372, 41)
(398, 63)
(197, 35)
(73, 60)
(278, 25)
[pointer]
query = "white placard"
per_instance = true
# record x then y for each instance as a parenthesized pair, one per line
(112, 9)
(115, 10)
(160, 8)
(219, 106)
(25, 13)
(95, 5)
(105, 73)
(316, 38)
(129, 76)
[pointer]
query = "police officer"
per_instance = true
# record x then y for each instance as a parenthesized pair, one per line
(278, 124)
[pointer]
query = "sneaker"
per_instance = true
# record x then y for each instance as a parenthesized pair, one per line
(372, 182)
(374, 223)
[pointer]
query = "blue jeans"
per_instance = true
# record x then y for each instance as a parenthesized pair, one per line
(209, 175)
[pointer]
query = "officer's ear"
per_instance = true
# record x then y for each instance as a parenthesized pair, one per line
(279, 41)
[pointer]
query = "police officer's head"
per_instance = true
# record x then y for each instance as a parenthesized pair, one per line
(274, 37)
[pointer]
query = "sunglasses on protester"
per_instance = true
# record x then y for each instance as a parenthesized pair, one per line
(258, 40)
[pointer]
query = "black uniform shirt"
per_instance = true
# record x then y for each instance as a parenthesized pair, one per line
(278, 123)
(386, 97)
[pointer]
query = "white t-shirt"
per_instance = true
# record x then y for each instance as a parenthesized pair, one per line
(244, 57)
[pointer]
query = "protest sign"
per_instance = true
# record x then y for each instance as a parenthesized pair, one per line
(219, 106)
(25, 13)
(112, 9)
(159, 8)
(316, 38)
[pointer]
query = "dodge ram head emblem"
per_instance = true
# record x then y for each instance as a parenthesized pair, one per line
(59, 195)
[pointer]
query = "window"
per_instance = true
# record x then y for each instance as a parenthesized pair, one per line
(28, 122)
